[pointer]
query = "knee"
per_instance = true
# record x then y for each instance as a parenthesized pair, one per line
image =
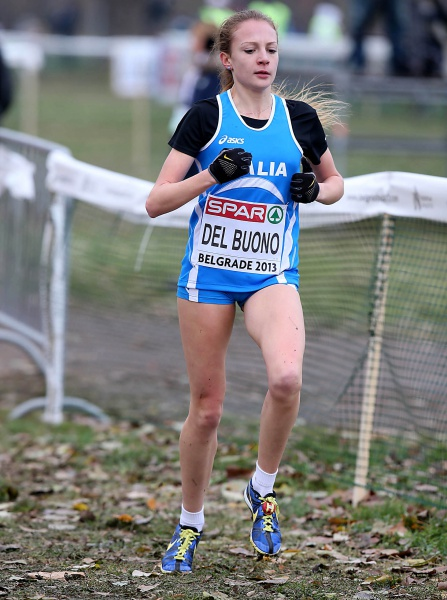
(285, 385)
(207, 414)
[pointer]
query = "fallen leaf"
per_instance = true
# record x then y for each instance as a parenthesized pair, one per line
(408, 581)
(120, 520)
(275, 580)
(317, 540)
(87, 516)
(124, 518)
(339, 537)
(426, 487)
(242, 551)
(377, 579)
(417, 562)
(233, 490)
(137, 573)
(237, 583)
(9, 548)
(56, 575)
(238, 472)
(61, 526)
(148, 588)
(151, 503)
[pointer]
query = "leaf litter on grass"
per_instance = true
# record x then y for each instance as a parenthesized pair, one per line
(93, 506)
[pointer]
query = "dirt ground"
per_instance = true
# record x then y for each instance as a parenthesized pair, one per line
(131, 368)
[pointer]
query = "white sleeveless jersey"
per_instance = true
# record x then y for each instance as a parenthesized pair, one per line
(245, 232)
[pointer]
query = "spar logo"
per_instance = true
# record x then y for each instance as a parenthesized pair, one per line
(236, 209)
(225, 139)
(275, 215)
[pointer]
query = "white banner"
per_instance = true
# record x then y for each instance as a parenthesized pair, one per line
(135, 67)
(108, 190)
(16, 175)
(394, 193)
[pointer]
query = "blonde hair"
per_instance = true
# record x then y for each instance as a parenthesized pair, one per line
(328, 109)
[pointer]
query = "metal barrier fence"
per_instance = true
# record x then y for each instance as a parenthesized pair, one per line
(34, 234)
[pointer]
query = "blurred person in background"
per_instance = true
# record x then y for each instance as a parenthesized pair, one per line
(326, 22)
(279, 12)
(395, 15)
(6, 86)
(201, 80)
(215, 11)
(249, 143)
(63, 17)
(158, 14)
(429, 36)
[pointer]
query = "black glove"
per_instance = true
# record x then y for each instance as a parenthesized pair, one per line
(304, 187)
(230, 164)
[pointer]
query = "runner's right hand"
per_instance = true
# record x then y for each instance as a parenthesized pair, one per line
(230, 164)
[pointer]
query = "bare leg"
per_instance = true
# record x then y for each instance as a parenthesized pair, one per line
(274, 319)
(205, 331)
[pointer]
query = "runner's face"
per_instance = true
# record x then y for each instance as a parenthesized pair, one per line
(254, 55)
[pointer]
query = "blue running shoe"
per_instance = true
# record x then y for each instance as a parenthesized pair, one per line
(265, 533)
(181, 549)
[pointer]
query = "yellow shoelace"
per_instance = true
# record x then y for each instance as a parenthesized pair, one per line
(187, 536)
(267, 519)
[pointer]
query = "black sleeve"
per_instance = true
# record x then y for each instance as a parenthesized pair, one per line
(199, 124)
(196, 128)
(5, 86)
(307, 129)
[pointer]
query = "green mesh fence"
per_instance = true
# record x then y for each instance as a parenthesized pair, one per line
(124, 350)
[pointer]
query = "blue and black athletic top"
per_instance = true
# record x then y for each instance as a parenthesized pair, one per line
(243, 234)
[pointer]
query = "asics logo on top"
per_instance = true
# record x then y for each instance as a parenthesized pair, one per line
(231, 140)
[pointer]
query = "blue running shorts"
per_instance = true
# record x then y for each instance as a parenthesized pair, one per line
(217, 297)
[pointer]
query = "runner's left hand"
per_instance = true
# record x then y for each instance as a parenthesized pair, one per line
(304, 186)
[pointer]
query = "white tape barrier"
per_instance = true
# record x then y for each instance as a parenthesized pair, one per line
(16, 175)
(23, 54)
(108, 190)
(394, 193)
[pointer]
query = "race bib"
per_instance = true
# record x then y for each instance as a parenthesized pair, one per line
(241, 236)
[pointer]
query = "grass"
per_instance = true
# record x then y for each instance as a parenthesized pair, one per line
(105, 251)
(100, 502)
(78, 109)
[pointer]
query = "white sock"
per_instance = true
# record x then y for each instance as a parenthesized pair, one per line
(263, 482)
(192, 519)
